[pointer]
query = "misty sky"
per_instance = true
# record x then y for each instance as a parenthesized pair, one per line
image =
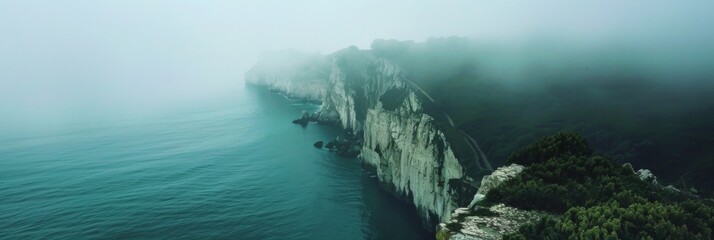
(62, 59)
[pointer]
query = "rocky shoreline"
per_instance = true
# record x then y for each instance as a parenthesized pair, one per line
(348, 145)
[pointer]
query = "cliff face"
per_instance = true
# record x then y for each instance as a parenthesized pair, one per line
(402, 143)
(412, 157)
(410, 154)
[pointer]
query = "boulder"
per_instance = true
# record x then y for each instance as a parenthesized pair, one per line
(303, 120)
(331, 144)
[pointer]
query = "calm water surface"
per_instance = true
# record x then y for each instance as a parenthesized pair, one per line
(232, 167)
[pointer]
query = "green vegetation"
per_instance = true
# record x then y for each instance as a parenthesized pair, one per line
(597, 198)
(559, 144)
(653, 220)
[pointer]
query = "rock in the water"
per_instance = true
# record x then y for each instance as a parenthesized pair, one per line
(303, 120)
(330, 144)
(351, 152)
(318, 144)
(348, 145)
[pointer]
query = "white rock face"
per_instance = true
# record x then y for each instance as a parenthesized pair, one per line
(403, 145)
(410, 155)
(340, 100)
(491, 222)
(413, 156)
(342, 97)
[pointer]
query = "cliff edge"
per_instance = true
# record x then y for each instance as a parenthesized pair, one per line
(411, 151)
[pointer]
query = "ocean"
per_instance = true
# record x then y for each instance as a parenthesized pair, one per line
(227, 167)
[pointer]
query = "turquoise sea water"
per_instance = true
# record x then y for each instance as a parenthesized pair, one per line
(232, 167)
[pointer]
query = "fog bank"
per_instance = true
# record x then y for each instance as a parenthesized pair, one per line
(66, 61)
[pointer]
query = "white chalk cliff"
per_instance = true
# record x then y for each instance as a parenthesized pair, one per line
(407, 147)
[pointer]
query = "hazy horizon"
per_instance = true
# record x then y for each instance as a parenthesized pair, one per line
(468, 119)
(64, 60)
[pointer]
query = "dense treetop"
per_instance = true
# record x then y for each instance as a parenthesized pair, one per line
(596, 198)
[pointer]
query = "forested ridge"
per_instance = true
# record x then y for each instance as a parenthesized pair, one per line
(595, 198)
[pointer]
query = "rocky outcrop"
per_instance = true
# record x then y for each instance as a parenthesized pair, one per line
(647, 176)
(491, 181)
(349, 145)
(487, 222)
(303, 120)
(407, 148)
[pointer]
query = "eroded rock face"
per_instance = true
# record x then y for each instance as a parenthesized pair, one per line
(477, 222)
(403, 144)
(413, 157)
